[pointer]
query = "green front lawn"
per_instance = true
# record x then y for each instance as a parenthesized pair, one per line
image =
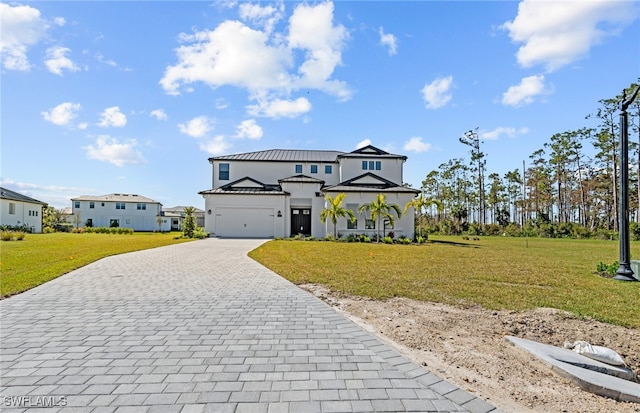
(494, 272)
(42, 257)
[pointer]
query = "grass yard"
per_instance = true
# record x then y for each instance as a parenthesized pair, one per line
(494, 272)
(42, 257)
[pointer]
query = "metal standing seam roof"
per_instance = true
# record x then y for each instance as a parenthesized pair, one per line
(283, 155)
(16, 196)
(116, 198)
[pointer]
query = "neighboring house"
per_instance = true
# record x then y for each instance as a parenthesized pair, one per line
(176, 216)
(280, 193)
(119, 210)
(19, 210)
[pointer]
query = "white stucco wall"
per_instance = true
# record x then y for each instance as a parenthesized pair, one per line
(271, 172)
(391, 169)
(403, 226)
(104, 211)
(25, 213)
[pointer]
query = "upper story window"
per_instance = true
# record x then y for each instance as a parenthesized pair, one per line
(92, 204)
(223, 171)
(298, 169)
(12, 208)
(314, 169)
(327, 169)
(372, 165)
(120, 205)
(142, 207)
(76, 204)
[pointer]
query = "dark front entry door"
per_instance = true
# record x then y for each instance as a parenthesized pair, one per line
(300, 221)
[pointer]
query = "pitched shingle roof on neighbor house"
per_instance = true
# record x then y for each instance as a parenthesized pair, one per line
(282, 155)
(180, 210)
(16, 196)
(116, 198)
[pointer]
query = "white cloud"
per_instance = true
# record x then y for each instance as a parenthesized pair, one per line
(389, 40)
(221, 104)
(265, 17)
(363, 143)
(109, 62)
(262, 62)
(108, 149)
(555, 34)
(159, 114)
(112, 117)
(20, 28)
(215, 146)
(57, 60)
(280, 108)
(437, 93)
(509, 132)
(62, 114)
(249, 129)
(526, 91)
(196, 127)
(416, 144)
(59, 21)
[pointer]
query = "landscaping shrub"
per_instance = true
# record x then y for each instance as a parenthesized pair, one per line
(607, 270)
(13, 235)
(387, 240)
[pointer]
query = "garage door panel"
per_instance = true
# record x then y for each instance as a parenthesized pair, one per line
(245, 222)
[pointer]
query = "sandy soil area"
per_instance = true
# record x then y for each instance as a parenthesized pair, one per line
(466, 347)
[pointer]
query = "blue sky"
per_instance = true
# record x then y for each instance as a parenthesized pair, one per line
(134, 97)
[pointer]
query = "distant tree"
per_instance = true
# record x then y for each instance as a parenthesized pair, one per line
(378, 209)
(52, 217)
(419, 203)
(334, 211)
(188, 222)
(159, 222)
(478, 163)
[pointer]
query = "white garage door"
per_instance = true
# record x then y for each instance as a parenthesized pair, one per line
(244, 222)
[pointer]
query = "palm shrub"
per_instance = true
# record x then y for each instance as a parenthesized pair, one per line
(334, 210)
(380, 209)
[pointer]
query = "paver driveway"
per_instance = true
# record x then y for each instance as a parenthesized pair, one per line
(200, 327)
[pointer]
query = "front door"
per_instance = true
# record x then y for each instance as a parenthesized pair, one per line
(300, 221)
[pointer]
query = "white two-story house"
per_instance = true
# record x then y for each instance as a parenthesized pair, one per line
(119, 210)
(17, 210)
(280, 193)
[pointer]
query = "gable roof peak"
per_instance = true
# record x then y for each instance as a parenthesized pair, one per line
(370, 149)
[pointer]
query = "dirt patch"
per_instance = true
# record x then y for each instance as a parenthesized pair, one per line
(466, 347)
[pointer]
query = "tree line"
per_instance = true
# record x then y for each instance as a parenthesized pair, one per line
(566, 189)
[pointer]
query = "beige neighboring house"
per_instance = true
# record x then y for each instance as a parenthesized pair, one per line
(20, 210)
(175, 216)
(280, 193)
(121, 210)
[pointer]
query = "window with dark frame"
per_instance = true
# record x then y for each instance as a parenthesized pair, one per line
(327, 169)
(314, 169)
(298, 169)
(223, 171)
